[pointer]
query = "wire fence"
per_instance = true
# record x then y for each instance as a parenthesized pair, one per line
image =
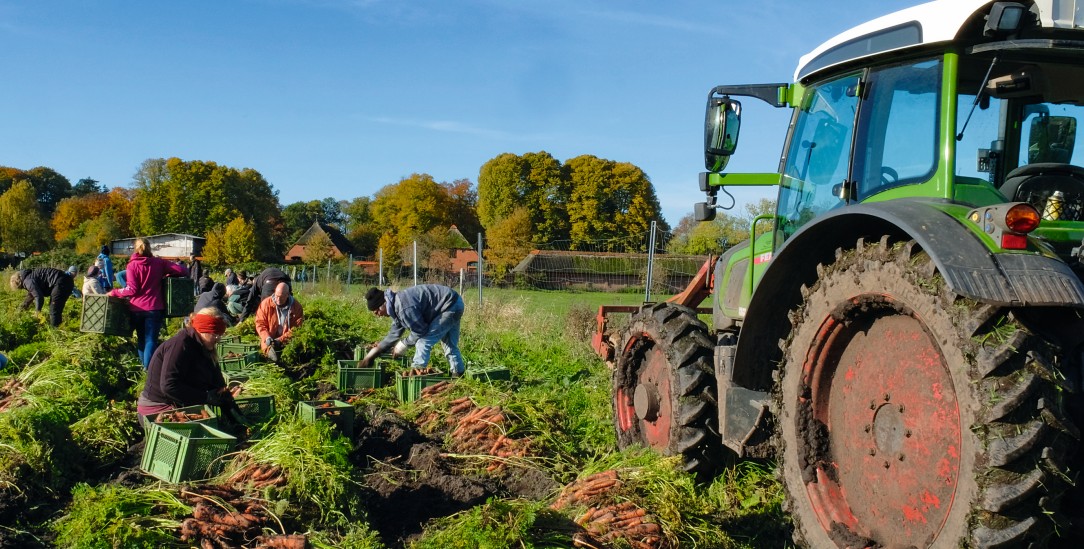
(635, 264)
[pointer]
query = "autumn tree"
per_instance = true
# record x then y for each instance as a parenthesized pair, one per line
(318, 249)
(91, 234)
(718, 235)
(239, 241)
(509, 241)
(22, 227)
(609, 200)
(533, 181)
(408, 209)
(463, 210)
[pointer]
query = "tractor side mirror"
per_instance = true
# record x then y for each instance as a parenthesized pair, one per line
(721, 124)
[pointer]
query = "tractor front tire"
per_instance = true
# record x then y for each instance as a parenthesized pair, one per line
(910, 417)
(664, 387)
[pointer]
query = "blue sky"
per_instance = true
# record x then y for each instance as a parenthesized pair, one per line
(342, 97)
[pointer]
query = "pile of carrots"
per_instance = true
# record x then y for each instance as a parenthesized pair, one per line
(604, 523)
(232, 523)
(483, 430)
(177, 416)
(257, 476)
(419, 372)
(9, 393)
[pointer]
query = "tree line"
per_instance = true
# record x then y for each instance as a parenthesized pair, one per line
(519, 202)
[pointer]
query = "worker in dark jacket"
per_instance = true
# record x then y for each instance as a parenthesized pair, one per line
(430, 311)
(263, 287)
(183, 371)
(215, 298)
(42, 282)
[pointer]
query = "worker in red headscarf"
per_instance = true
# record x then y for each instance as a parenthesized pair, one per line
(184, 371)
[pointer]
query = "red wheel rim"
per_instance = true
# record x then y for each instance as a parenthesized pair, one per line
(881, 389)
(653, 374)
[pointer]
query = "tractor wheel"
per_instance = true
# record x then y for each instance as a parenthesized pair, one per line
(910, 417)
(664, 387)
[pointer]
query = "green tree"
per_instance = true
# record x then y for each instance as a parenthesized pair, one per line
(95, 232)
(363, 233)
(22, 227)
(214, 248)
(609, 200)
(174, 195)
(49, 186)
(87, 186)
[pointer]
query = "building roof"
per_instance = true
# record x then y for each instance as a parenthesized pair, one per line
(340, 242)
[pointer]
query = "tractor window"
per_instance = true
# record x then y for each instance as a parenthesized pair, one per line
(899, 130)
(1048, 134)
(818, 157)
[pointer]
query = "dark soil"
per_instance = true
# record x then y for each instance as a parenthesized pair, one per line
(409, 480)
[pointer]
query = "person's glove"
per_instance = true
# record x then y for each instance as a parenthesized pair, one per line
(399, 350)
(221, 397)
(267, 342)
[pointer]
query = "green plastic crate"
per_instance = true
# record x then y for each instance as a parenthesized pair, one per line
(226, 348)
(105, 315)
(228, 338)
(353, 379)
(361, 350)
(488, 373)
(339, 413)
(179, 452)
(409, 388)
(180, 296)
(238, 363)
(254, 409)
(210, 421)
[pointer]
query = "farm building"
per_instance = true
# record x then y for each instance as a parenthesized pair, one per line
(607, 271)
(167, 246)
(340, 246)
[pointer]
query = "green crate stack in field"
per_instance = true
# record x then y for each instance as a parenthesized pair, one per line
(225, 348)
(103, 314)
(180, 296)
(361, 350)
(353, 379)
(179, 452)
(200, 409)
(409, 388)
(488, 373)
(336, 411)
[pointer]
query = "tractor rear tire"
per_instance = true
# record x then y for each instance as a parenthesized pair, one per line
(910, 417)
(664, 394)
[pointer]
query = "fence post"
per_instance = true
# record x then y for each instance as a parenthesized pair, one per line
(350, 270)
(415, 262)
(650, 263)
(479, 269)
(380, 272)
(460, 281)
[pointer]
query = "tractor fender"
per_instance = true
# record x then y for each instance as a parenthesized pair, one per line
(968, 267)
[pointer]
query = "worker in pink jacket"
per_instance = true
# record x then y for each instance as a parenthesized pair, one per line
(146, 296)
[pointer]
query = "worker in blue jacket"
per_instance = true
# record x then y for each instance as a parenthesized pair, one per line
(431, 312)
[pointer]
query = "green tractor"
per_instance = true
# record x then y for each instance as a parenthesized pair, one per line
(904, 334)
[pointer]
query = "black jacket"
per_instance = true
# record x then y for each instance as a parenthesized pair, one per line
(215, 297)
(43, 282)
(182, 371)
(263, 287)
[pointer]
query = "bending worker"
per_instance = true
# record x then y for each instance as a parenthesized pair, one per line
(430, 311)
(183, 371)
(41, 283)
(276, 319)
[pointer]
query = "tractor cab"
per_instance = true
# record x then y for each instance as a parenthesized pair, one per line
(973, 106)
